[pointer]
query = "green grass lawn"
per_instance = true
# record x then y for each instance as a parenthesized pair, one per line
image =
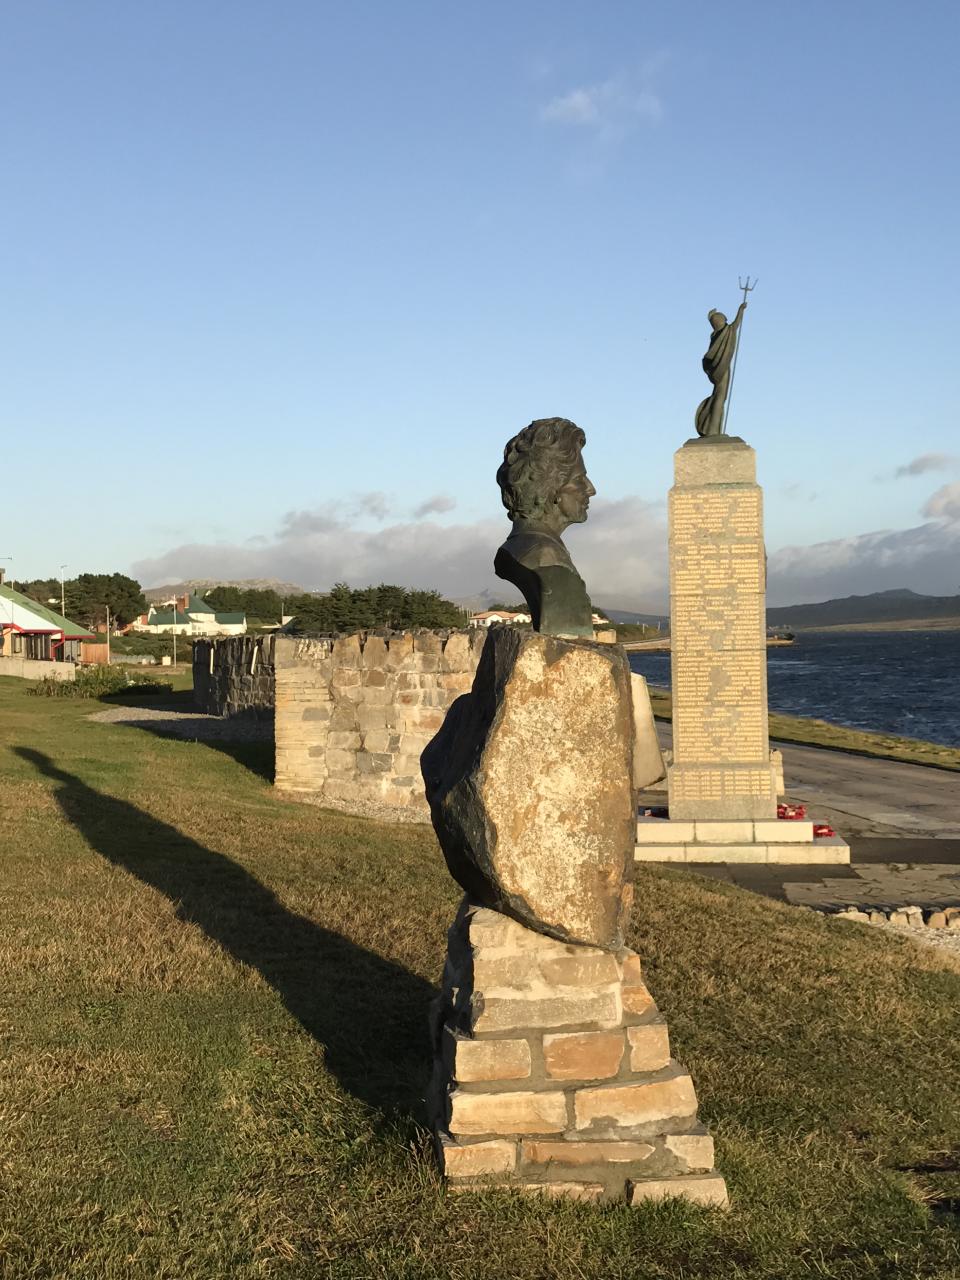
(214, 1050)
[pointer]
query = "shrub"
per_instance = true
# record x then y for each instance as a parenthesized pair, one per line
(96, 682)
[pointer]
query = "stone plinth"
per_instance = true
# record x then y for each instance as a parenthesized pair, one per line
(721, 752)
(743, 840)
(553, 1072)
(530, 785)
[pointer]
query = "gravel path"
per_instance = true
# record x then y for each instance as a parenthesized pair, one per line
(187, 724)
(944, 939)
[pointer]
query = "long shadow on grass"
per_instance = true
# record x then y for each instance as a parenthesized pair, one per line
(369, 1013)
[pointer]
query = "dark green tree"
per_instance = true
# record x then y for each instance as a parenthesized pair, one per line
(88, 596)
(344, 609)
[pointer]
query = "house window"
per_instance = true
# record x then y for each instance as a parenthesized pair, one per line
(17, 642)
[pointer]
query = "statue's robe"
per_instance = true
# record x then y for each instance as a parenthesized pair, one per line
(716, 365)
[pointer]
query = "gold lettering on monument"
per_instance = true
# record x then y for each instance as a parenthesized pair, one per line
(718, 641)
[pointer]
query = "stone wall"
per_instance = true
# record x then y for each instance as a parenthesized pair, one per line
(234, 676)
(353, 713)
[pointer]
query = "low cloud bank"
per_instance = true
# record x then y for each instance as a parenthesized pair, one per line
(620, 551)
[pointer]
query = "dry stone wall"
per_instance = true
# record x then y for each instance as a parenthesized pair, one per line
(234, 676)
(353, 713)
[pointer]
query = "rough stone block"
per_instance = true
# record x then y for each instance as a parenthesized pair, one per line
(373, 695)
(340, 761)
(346, 652)
(563, 1190)
(373, 762)
(530, 784)
(580, 967)
(634, 994)
(709, 1189)
(345, 678)
(584, 1055)
(374, 653)
(576, 1154)
(649, 1046)
(477, 1159)
(473, 1061)
(399, 649)
(319, 714)
(455, 682)
(605, 1109)
(507, 1013)
(478, 1114)
(427, 642)
(457, 654)
(694, 1151)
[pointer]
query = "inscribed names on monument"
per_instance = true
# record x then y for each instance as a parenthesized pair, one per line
(718, 637)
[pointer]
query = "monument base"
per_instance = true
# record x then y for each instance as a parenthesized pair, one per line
(553, 1073)
(773, 840)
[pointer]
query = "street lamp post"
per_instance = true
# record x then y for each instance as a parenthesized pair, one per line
(63, 601)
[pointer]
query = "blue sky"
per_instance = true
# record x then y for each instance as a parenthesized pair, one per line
(280, 281)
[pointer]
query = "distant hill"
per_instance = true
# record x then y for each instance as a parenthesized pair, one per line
(898, 606)
(625, 617)
(200, 585)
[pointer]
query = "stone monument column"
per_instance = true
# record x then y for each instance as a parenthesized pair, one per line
(721, 750)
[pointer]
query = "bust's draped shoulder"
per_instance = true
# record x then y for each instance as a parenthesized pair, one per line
(537, 551)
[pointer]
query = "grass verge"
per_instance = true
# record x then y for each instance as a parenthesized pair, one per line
(838, 737)
(213, 1021)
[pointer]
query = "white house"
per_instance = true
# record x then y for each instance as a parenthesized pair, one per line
(491, 616)
(189, 616)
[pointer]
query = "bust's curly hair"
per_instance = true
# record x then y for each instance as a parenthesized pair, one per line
(537, 463)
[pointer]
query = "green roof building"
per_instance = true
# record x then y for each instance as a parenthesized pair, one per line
(33, 632)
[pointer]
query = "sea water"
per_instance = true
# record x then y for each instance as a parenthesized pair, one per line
(904, 682)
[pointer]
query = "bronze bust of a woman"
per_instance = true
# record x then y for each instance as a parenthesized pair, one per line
(545, 488)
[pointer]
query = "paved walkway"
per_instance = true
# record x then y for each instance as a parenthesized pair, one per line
(863, 796)
(902, 822)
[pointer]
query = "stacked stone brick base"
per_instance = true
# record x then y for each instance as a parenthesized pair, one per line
(553, 1073)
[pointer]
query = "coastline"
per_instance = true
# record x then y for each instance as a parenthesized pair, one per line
(838, 737)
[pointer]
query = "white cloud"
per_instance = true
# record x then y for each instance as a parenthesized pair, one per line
(375, 504)
(928, 462)
(612, 108)
(925, 559)
(945, 503)
(439, 503)
(620, 551)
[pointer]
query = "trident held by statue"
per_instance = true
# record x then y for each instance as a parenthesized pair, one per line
(746, 288)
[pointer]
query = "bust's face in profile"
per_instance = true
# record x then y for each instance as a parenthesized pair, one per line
(574, 497)
(542, 479)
